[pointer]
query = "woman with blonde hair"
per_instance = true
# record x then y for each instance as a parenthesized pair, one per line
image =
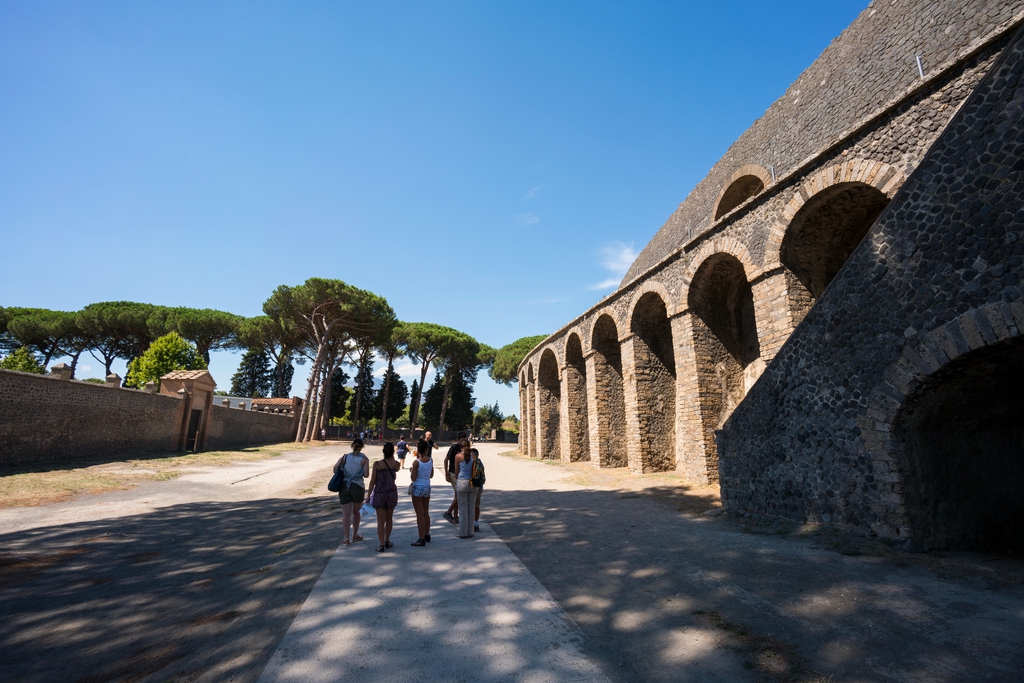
(464, 489)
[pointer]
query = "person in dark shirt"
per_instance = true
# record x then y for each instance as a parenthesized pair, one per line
(449, 475)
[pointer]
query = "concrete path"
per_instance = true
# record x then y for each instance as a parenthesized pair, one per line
(455, 610)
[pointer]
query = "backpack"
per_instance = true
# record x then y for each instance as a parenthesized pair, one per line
(477, 476)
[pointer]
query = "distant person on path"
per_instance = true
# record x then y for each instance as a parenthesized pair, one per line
(464, 488)
(429, 438)
(354, 467)
(402, 449)
(422, 471)
(384, 494)
(452, 514)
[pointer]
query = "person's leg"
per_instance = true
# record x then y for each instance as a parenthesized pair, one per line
(476, 514)
(426, 517)
(387, 525)
(470, 504)
(464, 522)
(356, 516)
(380, 526)
(417, 505)
(453, 509)
(346, 520)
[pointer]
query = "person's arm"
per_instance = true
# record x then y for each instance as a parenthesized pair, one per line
(415, 468)
(366, 466)
(373, 482)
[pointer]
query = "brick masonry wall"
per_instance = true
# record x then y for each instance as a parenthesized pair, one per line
(233, 428)
(936, 279)
(44, 419)
(880, 152)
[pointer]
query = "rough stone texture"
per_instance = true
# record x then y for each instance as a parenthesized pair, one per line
(233, 428)
(895, 406)
(575, 410)
(857, 77)
(49, 419)
(842, 143)
(46, 418)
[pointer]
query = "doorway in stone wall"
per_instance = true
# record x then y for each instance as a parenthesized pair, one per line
(576, 399)
(821, 237)
(192, 435)
(725, 344)
(655, 371)
(961, 453)
(609, 400)
(549, 399)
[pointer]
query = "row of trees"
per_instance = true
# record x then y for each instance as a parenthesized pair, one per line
(324, 322)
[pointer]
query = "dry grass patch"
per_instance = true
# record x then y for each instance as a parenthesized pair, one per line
(40, 484)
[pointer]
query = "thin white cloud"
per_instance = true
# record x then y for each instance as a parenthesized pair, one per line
(533, 192)
(85, 368)
(527, 219)
(616, 258)
(607, 284)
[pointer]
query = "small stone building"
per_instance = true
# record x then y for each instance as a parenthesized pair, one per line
(196, 387)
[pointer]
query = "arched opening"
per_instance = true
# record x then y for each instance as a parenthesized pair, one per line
(739, 191)
(609, 396)
(655, 371)
(549, 398)
(725, 345)
(531, 407)
(524, 413)
(961, 453)
(576, 397)
(821, 237)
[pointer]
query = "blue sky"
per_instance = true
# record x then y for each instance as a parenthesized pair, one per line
(492, 166)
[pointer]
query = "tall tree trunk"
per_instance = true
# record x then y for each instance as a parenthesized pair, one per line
(313, 372)
(314, 410)
(387, 388)
(324, 410)
(414, 411)
(444, 401)
(74, 362)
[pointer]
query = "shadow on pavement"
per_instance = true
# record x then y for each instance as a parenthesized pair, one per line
(200, 591)
(666, 597)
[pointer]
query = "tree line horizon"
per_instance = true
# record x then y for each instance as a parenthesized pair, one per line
(325, 322)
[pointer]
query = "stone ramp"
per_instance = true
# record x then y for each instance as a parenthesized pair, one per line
(455, 610)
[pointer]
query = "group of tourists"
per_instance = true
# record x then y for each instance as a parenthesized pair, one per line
(463, 470)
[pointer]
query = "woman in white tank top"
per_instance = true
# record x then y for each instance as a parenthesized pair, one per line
(422, 471)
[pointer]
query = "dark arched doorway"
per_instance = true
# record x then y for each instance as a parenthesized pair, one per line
(725, 345)
(821, 237)
(531, 407)
(961, 453)
(576, 398)
(609, 397)
(655, 371)
(549, 400)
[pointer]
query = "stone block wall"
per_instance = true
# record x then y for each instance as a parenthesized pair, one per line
(232, 428)
(44, 418)
(936, 284)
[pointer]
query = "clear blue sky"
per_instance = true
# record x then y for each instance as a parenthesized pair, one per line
(491, 166)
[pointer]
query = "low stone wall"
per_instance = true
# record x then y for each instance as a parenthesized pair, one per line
(44, 418)
(235, 428)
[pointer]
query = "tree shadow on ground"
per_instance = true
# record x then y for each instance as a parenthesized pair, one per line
(200, 591)
(664, 596)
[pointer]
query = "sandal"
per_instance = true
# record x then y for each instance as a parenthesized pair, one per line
(388, 544)
(427, 538)
(380, 549)
(420, 543)
(345, 542)
(357, 537)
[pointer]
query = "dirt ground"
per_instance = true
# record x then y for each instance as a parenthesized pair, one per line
(197, 577)
(667, 588)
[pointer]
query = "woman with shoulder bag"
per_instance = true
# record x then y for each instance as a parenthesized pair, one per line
(353, 467)
(384, 494)
(464, 489)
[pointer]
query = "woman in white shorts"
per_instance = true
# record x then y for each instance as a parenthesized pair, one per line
(422, 471)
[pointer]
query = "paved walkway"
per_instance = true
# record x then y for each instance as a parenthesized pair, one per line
(455, 610)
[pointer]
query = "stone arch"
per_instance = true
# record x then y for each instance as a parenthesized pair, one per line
(609, 394)
(549, 399)
(718, 245)
(747, 182)
(651, 287)
(823, 223)
(654, 369)
(577, 411)
(726, 347)
(531, 411)
(946, 437)
(524, 422)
